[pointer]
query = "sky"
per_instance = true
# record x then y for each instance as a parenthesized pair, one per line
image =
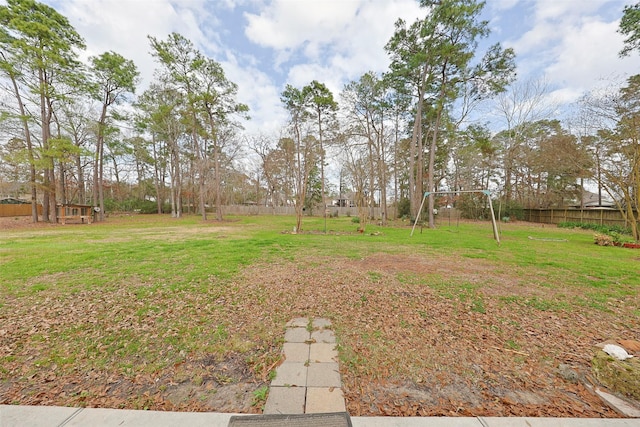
(265, 44)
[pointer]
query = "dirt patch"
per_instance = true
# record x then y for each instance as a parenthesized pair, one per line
(22, 222)
(406, 348)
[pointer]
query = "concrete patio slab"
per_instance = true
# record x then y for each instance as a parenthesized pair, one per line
(415, 422)
(36, 416)
(110, 417)
(558, 422)
(55, 416)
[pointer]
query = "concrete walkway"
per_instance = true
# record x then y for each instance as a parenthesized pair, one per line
(308, 381)
(55, 416)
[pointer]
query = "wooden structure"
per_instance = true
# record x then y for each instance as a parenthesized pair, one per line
(601, 216)
(485, 192)
(18, 210)
(74, 213)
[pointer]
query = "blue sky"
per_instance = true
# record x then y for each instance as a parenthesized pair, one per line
(265, 44)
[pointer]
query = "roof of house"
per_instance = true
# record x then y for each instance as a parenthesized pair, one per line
(13, 201)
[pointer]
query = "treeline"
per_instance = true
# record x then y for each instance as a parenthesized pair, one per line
(77, 133)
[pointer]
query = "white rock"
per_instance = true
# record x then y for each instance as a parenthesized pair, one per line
(616, 351)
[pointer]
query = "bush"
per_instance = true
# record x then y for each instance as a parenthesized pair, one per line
(512, 210)
(603, 239)
(602, 229)
(605, 235)
(355, 220)
(404, 208)
(134, 205)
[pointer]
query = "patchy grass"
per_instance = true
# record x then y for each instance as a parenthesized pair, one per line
(154, 312)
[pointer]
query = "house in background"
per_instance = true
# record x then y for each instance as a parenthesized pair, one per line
(592, 200)
(13, 201)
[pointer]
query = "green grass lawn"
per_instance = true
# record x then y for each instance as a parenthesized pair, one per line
(147, 299)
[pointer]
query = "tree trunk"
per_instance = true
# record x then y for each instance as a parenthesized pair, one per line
(98, 183)
(416, 152)
(27, 137)
(216, 166)
(434, 143)
(324, 200)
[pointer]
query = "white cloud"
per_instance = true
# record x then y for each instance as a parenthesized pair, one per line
(588, 53)
(291, 24)
(565, 10)
(574, 44)
(256, 89)
(502, 5)
(330, 41)
(123, 26)
(333, 41)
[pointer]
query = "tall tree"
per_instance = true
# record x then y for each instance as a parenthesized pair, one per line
(9, 69)
(159, 114)
(435, 55)
(208, 99)
(622, 170)
(524, 102)
(365, 105)
(630, 27)
(296, 102)
(113, 78)
(40, 49)
(323, 108)
(216, 101)
(180, 61)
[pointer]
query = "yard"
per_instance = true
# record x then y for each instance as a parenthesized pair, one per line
(158, 313)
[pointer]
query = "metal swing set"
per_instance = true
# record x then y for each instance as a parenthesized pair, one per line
(485, 192)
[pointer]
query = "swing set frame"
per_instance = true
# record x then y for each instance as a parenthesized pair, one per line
(485, 192)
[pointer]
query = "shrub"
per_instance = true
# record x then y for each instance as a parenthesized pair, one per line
(603, 239)
(404, 208)
(355, 220)
(610, 230)
(134, 205)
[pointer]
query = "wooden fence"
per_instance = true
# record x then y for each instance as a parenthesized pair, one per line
(290, 210)
(589, 216)
(17, 210)
(25, 210)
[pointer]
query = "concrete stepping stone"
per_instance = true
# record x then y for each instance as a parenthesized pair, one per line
(298, 322)
(323, 375)
(321, 323)
(285, 400)
(296, 352)
(322, 352)
(297, 335)
(323, 336)
(308, 380)
(324, 400)
(291, 374)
